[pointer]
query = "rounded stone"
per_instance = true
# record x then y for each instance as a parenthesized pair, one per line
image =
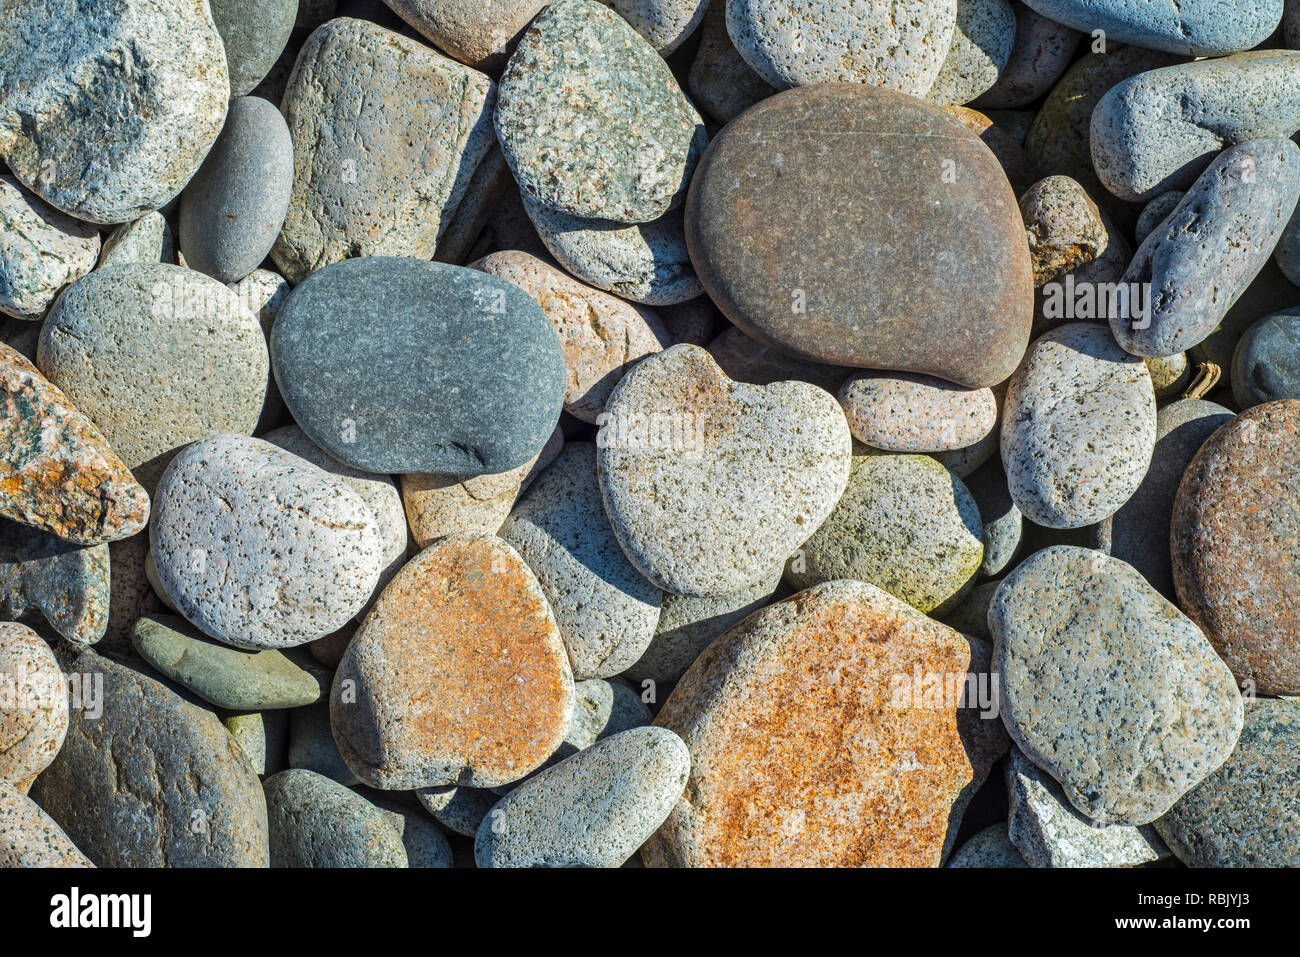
(709, 483)
(1064, 227)
(720, 80)
(901, 412)
(920, 273)
(458, 675)
(1078, 427)
(1200, 28)
(1107, 686)
(254, 33)
(1169, 374)
(906, 525)
(665, 24)
(1235, 544)
(47, 579)
(432, 368)
(145, 240)
(748, 360)
(30, 838)
(232, 210)
(263, 737)
(473, 32)
(158, 356)
(605, 609)
(1042, 51)
(1266, 364)
(894, 44)
(988, 848)
(158, 69)
(41, 251)
(34, 720)
(1003, 523)
(459, 809)
(1155, 212)
(592, 121)
(259, 548)
(316, 822)
(981, 46)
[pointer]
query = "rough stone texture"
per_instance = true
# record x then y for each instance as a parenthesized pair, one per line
(259, 548)
(1247, 813)
(894, 44)
(106, 110)
(593, 809)
(981, 46)
(227, 677)
(34, 719)
(605, 609)
(47, 579)
(232, 210)
(707, 482)
(858, 249)
(470, 30)
(1063, 225)
(56, 471)
(459, 809)
(720, 80)
(431, 367)
(1107, 686)
(1141, 528)
(263, 737)
(312, 746)
(747, 360)
(426, 845)
(1155, 212)
(316, 822)
(30, 838)
(1195, 28)
(645, 262)
(254, 33)
(386, 136)
(157, 356)
(1169, 374)
(807, 746)
(665, 24)
(906, 525)
(438, 505)
(1202, 257)
(1048, 832)
(153, 781)
(901, 412)
(1159, 130)
(1235, 543)
(990, 847)
(602, 337)
(1078, 427)
(592, 121)
(458, 675)
(130, 594)
(1002, 521)
(41, 251)
(1266, 364)
(1042, 50)
(145, 240)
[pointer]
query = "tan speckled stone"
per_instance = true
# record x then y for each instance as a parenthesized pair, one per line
(33, 706)
(30, 838)
(905, 412)
(41, 251)
(1063, 225)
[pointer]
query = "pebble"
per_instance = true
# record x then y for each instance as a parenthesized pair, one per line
(1201, 258)
(316, 822)
(981, 47)
(881, 288)
(1078, 427)
(259, 548)
(902, 412)
(1064, 228)
(35, 716)
(41, 251)
(143, 773)
(1194, 29)
(254, 33)
(30, 838)
(605, 609)
(1266, 364)
(45, 579)
(233, 208)
(226, 677)
(466, 377)
(312, 746)
(157, 356)
(600, 709)
(1235, 544)
(263, 737)
(1142, 526)
(426, 846)
(592, 121)
(145, 240)
(665, 24)
(158, 70)
(1169, 374)
(720, 81)
(1107, 686)
(1002, 521)
(56, 471)
(708, 482)
(990, 847)
(592, 810)
(386, 136)
(1247, 813)
(971, 614)
(798, 756)
(1155, 212)
(458, 675)
(459, 809)
(1160, 129)
(906, 525)
(896, 44)
(469, 30)
(1042, 51)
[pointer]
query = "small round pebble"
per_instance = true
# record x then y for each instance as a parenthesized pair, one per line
(41, 251)
(1266, 364)
(903, 412)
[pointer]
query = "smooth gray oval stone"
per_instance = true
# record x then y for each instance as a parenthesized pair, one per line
(981, 46)
(399, 365)
(1266, 365)
(233, 208)
(1040, 54)
(1202, 257)
(254, 33)
(316, 822)
(1003, 523)
(1159, 130)
(593, 809)
(44, 578)
(1191, 27)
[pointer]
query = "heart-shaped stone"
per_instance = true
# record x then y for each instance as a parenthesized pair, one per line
(709, 482)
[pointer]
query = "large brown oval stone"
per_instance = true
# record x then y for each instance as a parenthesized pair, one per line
(863, 227)
(1236, 545)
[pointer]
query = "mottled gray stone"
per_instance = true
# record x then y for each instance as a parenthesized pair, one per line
(1169, 374)
(720, 80)
(316, 822)
(1065, 228)
(1196, 28)
(905, 412)
(253, 32)
(312, 746)
(1155, 212)
(981, 46)
(1041, 52)
(1003, 523)
(665, 24)
(971, 614)
(459, 809)
(990, 847)
(48, 579)
(41, 251)
(472, 31)
(1109, 687)
(426, 845)
(31, 838)
(144, 240)
(34, 720)
(1266, 364)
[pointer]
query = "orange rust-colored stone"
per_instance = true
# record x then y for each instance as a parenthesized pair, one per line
(457, 676)
(808, 748)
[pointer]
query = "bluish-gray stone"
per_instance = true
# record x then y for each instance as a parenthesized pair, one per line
(45, 578)
(254, 33)
(316, 822)
(1266, 365)
(1191, 27)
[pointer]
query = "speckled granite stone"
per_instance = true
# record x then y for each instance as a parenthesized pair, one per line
(904, 412)
(47, 579)
(41, 251)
